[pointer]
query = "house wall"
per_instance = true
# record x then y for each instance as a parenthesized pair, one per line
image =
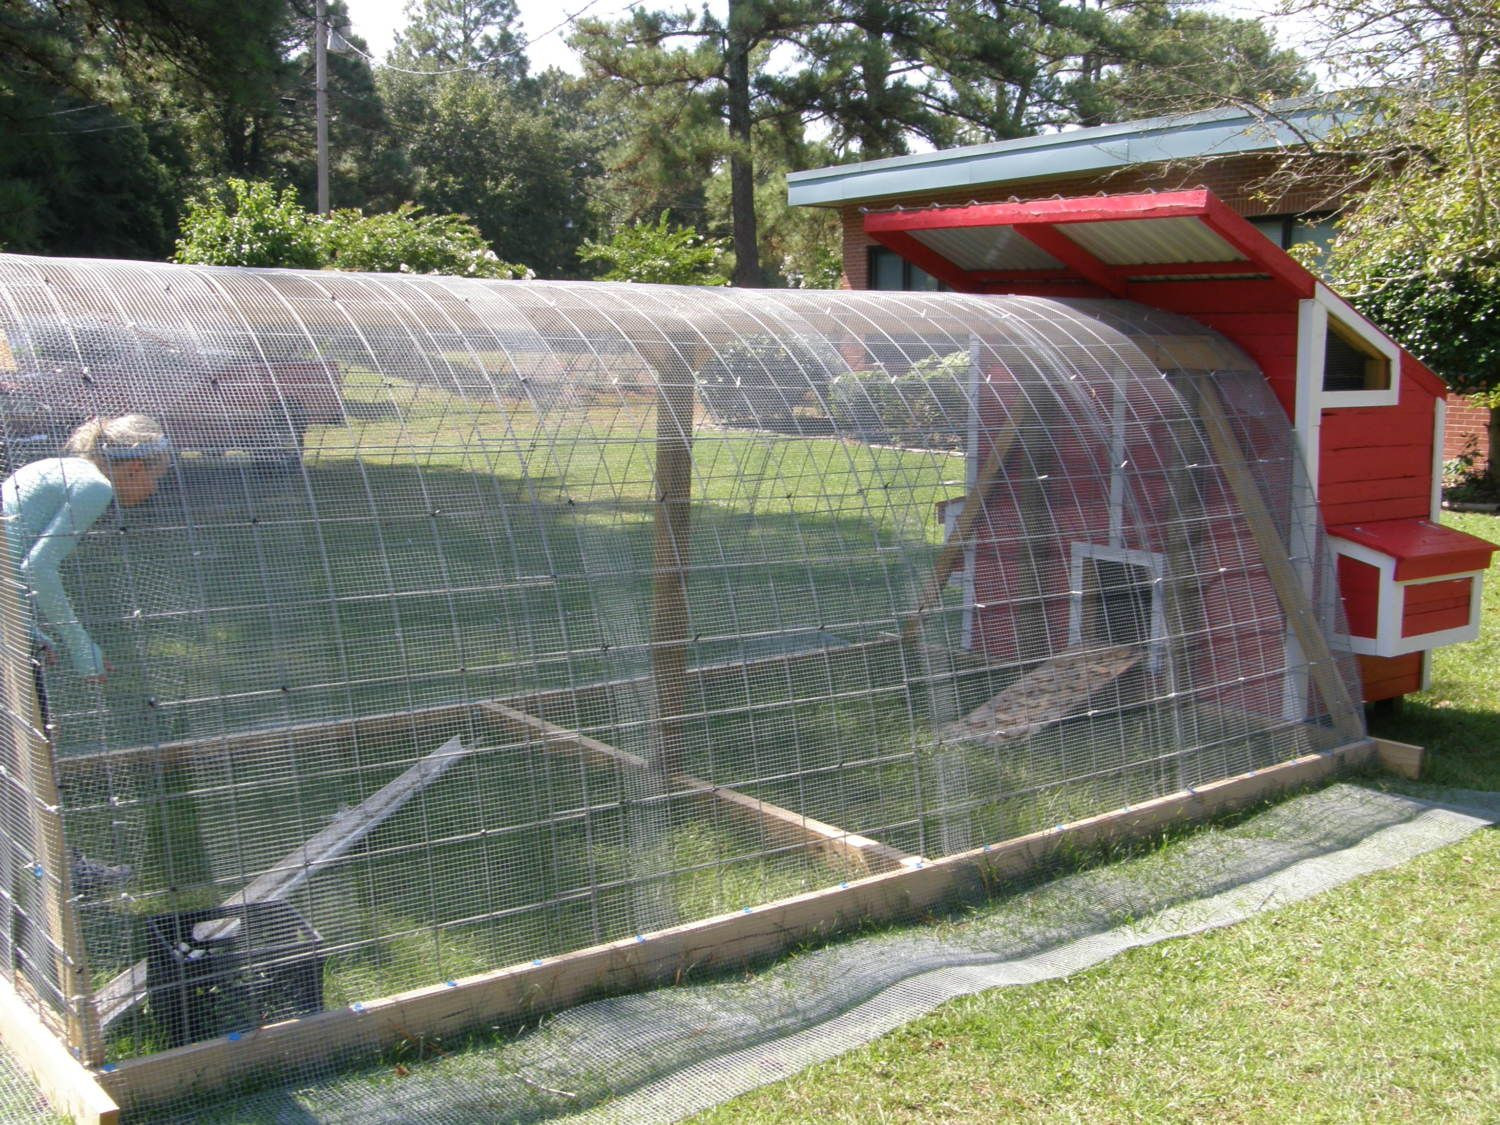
(1467, 422)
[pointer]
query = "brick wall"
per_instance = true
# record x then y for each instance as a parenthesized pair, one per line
(1248, 184)
(1466, 422)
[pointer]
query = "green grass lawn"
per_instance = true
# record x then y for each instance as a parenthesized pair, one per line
(1379, 1000)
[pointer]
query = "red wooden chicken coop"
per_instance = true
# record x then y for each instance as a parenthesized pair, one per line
(1367, 416)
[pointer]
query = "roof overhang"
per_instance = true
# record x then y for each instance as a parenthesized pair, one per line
(1105, 148)
(1115, 246)
(1421, 549)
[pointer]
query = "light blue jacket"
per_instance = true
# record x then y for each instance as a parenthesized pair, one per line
(48, 506)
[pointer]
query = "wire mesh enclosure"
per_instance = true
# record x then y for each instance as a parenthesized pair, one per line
(472, 623)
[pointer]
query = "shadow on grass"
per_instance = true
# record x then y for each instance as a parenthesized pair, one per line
(1462, 743)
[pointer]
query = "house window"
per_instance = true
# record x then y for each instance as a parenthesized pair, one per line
(889, 270)
(1350, 363)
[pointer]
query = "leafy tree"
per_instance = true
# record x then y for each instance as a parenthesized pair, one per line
(483, 140)
(407, 241)
(488, 150)
(479, 35)
(1161, 58)
(249, 224)
(704, 66)
(1419, 251)
(254, 224)
(659, 252)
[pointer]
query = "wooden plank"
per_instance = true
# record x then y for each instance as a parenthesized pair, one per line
(1399, 758)
(342, 833)
(35, 762)
(278, 882)
(963, 528)
(1046, 695)
(69, 1087)
(779, 824)
(682, 952)
(1274, 555)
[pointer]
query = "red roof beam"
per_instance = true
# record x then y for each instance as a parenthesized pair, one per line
(1094, 209)
(1070, 254)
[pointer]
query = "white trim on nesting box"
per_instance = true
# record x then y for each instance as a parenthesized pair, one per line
(1388, 640)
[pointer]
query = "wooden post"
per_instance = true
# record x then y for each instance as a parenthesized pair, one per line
(1273, 552)
(36, 767)
(671, 554)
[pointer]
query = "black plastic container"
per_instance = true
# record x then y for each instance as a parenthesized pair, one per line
(212, 972)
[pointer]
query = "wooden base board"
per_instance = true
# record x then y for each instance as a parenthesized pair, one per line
(678, 953)
(69, 1087)
(1399, 758)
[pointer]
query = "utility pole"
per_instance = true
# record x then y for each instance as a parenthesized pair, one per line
(320, 54)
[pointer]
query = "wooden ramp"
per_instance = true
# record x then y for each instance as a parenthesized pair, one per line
(1045, 696)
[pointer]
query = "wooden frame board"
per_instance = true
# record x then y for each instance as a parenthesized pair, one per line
(69, 1086)
(674, 954)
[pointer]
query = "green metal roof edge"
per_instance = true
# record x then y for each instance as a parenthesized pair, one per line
(1215, 132)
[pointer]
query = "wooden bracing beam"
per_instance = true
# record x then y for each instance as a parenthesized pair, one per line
(456, 716)
(1274, 555)
(69, 1087)
(963, 529)
(782, 825)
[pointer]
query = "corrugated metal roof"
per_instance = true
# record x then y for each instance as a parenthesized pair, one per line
(1216, 132)
(1134, 242)
(987, 248)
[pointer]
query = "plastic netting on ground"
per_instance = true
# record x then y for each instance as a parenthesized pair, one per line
(474, 622)
(663, 1055)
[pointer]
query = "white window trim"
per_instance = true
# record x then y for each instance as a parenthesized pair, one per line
(1151, 560)
(1439, 439)
(1312, 337)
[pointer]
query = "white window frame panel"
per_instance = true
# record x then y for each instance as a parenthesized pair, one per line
(1155, 563)
(1312, 338)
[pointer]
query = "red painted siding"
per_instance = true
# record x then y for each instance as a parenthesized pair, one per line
(1431, 607)
(1359, 582)
(1390, 677)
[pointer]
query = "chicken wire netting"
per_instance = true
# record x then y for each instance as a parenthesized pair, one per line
(472, 623)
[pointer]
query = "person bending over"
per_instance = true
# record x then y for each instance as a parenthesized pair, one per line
(50, 504)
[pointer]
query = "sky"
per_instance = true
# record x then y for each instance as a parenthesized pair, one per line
(377, 22)
(547, 22)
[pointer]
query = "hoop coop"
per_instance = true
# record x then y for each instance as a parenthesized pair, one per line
(475, 624)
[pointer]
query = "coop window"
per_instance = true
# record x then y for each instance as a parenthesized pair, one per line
(1116, 597)
(889, 270)
(1351, 363)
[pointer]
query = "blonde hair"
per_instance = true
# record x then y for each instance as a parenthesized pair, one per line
(130, 437)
